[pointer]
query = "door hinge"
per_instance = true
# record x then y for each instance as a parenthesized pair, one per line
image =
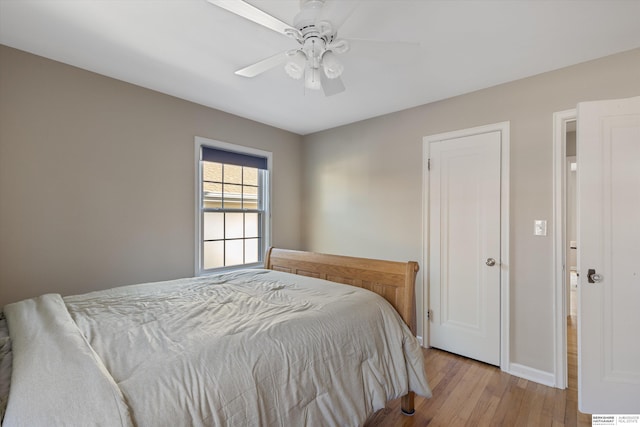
(428, 164)
(429, 314)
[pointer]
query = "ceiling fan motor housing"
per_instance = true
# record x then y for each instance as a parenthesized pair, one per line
(309, 11)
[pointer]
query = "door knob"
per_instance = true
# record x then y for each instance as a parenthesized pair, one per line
(490, 262)
(593, 277)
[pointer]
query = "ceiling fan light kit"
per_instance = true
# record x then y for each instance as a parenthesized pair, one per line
(316, 58)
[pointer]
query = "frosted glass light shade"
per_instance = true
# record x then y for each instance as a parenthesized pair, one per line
(332, 67)
(296, 64)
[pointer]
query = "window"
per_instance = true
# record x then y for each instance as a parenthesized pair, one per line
(233, 201)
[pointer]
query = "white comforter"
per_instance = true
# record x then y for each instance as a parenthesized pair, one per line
(250, 348)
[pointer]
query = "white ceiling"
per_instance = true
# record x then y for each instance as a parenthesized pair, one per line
(190, 49)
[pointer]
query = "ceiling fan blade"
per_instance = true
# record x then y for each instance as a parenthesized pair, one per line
(331, 86)
(252, 13)
(262, 66)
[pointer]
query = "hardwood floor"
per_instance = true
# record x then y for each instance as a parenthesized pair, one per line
(470, 393)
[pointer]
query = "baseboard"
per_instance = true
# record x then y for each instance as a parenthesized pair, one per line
(532, 374)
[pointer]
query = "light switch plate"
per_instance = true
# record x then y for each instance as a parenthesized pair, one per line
(540, 227)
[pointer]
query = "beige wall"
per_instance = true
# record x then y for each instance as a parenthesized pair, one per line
(97, 179)
(363, 189)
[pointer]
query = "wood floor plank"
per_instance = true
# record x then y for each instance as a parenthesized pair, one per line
(470, 393)
(486, 403)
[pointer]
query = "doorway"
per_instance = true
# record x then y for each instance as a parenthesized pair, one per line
(565, 246)
(571, 222)
(571, 254)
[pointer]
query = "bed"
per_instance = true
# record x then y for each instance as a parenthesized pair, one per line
(285, 345)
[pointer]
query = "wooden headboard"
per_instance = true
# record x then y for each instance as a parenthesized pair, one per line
(395, 281)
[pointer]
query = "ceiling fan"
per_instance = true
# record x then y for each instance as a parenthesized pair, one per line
(315, 59)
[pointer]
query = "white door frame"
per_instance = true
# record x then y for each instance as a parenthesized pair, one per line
(560, 120)
(503, 128)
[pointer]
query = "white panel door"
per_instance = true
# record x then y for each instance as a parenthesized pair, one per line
(609, 244)
(464, 245)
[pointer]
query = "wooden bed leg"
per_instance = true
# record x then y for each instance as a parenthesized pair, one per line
(407, 405)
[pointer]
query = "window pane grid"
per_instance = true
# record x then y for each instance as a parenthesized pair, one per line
(233, 214)
(230, 186)
(229, 252)
(216, 225)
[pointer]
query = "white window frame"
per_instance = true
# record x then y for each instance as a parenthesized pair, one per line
(266, 237)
